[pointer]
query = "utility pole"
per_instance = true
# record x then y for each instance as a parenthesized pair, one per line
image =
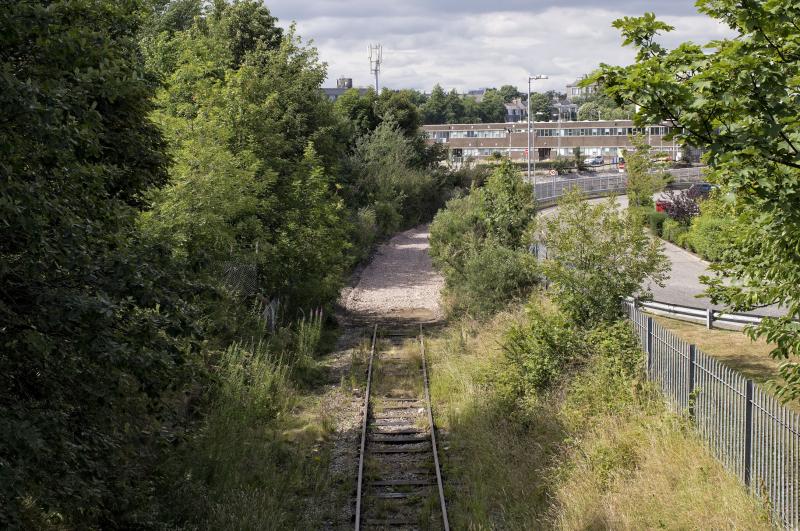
(375, 61)
(531, 78)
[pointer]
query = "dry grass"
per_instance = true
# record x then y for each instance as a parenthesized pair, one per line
(733, 348)
(647, 472)
(640, 469)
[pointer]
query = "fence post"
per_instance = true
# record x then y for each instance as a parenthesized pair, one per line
(649, 345)
(709, 318)
(748, 433)
(689, 398)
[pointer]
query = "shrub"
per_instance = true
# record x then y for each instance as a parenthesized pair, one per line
(536, 353)
(672, 230)
(596, 256)
(706, 236)
(682, 206)
(493, 275)
(655, 220)
(609, 382)
(479, 243)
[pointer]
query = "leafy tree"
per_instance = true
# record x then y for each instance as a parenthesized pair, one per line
(509, 93)
(492, 107)
(389, 178)
(358, 113)
(597, 255)
(435, 109)
(541, 107)
(245, 25)
(643, 179)
(454, 108)
(398, 107)
(737, 99)
(472, 111)
(88, 313)
(590, 111)
(252, 140)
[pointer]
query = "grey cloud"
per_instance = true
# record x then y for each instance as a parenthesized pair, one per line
(446, 8)
(489, 44)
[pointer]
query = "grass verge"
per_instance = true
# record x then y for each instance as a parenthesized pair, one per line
(595, 448)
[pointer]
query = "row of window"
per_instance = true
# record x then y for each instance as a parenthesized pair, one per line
(583, 131)
(486, 133)
(604, 131)
(563, 152)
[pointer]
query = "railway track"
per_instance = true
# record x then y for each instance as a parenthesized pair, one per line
(399, 477)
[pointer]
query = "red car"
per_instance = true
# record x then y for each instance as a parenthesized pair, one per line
(661, 205)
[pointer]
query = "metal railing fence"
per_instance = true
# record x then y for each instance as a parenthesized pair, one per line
(708, 316)
(548, 191)
(751, 433)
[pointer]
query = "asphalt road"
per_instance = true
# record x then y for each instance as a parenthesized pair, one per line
(683, 285)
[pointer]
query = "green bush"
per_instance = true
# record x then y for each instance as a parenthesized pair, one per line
(479, 243)
(492, 276)
(706, 236)
(596, 256)
(673, 231)
(610, 381)
(655, 220)
(536, 353)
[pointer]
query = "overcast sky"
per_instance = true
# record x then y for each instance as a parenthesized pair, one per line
(467, 44)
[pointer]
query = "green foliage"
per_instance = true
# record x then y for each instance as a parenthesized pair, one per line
(492, 275)
(608, 384)
(89, 313)
(387, 178)
(597, 255)
(674, 232)
(541, 106)
(736, 98)
(655, 220)
(711, 232)
(479, 242)
(537, 352)
(562, 165)
(240, 192)
(237, 455)
(643, 180)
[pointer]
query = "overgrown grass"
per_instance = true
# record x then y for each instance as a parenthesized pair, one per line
(261, 452)
(594, 449)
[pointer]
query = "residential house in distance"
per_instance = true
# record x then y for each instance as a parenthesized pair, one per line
(476, 94)
(574, 91)
(516, 111)
(343, 84)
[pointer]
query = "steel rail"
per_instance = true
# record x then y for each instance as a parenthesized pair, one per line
(433, 433)
(359, 489)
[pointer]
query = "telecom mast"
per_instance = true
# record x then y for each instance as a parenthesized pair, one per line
(375, 60)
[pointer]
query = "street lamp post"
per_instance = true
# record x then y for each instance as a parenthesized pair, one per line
(531, 78)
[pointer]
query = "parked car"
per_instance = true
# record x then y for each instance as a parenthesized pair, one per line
(701, 188)
(594, 161)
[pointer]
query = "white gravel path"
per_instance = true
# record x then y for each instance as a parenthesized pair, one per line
(399, 283)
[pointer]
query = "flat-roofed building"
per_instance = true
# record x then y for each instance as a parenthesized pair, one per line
(606, 138)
